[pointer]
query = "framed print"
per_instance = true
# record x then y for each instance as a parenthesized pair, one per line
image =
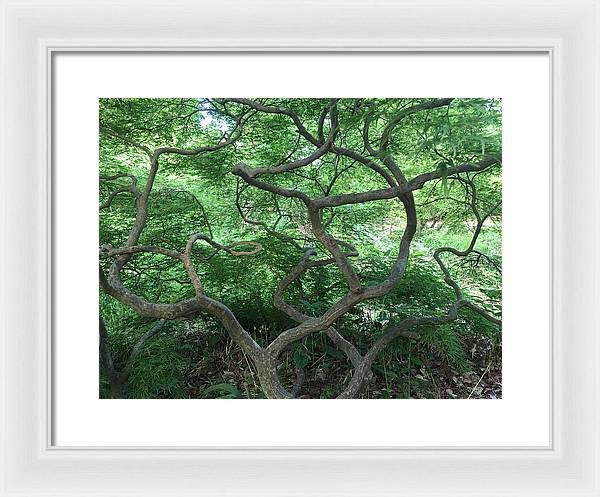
(370, 227)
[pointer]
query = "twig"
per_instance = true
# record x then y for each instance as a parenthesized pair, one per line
(480, 378)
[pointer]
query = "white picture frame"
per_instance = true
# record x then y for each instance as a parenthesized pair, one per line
(521, 418)
(32, 32)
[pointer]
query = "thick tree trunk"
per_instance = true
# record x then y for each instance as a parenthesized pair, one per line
(269, 382)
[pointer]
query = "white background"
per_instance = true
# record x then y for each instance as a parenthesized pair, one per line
(521, 418)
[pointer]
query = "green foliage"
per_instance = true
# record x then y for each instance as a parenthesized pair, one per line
(445, 341)
(222, 391)
(301, 356)
(159, 371)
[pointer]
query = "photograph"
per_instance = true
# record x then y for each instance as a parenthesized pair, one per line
(300, 248)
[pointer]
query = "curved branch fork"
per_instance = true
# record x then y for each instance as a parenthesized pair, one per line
(131, 188)
(380, 162)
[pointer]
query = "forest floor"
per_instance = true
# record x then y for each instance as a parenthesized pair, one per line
(227, 372)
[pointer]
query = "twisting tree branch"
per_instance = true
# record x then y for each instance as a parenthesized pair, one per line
(132, 188)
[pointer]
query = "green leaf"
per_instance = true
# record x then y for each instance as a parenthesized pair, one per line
(229, 391)
(301, 357)
(334, 352)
